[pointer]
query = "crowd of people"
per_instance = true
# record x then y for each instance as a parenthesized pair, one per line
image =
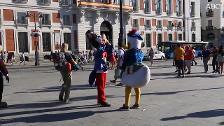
(184, 58)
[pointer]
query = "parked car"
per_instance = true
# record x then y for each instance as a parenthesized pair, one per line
(157, 55)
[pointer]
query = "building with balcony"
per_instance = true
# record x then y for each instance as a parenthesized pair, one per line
(21, 18)
(167, 20)
(212, 20)
(57, 22)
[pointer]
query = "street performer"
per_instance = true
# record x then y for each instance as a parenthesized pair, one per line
(136, 74)
(100, 66)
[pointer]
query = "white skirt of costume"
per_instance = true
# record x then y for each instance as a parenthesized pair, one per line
(136, 79)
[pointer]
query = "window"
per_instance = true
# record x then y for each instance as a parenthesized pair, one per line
(147, 24)
(193, 24)
(192, 9)
(147, 6)
(169, 7)
(67, 39)
(135, 5)
(66, 20)
(158, 7)
(179, 6)
(180, 37)
(65, 2)
(46, 19)
(159, 24)
(23, 41)
(46, 38)
(135, 23)
(160, 38)
(21, 18)
(118, 1)
(193, 37)
(170, 24)
(44, 2)
(170, 37)
(209, 22)
(209, 0)
(148, 40)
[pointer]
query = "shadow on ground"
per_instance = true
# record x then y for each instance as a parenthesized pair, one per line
(43, 115)
(181, 91)
(203, 114)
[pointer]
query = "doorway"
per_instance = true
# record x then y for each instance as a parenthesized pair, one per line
(106, 28)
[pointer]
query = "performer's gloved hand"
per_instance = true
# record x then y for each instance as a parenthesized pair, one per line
(7, 78)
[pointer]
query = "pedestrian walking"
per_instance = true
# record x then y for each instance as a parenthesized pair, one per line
(151, 55)
(65, 65)
(118, 71)
(215, 65)
(188, 57)
(22, 59)
(220, 59)
(205, 57)
(194, 56)
(179, 60)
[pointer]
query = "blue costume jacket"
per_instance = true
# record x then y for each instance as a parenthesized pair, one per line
(131, 57)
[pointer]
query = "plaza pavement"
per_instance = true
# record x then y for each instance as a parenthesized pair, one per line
(32, 95)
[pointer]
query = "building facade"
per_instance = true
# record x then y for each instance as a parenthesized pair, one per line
(57, 22)
(167, 20)
(212, 15)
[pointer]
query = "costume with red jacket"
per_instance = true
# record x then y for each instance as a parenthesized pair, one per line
(100, 66)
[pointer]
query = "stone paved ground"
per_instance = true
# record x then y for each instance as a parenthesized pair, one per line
(32, 95)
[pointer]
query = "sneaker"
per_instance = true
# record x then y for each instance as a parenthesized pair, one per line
(112, 81)
(104, 104)
(135, 106)
(124, 107)
(66, 101)
(120, 84)
(60, 97)
(3, 105)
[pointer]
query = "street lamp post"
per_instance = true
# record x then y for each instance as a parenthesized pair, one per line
(35, 34)
(120, 40)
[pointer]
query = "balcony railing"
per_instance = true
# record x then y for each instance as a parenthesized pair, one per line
(209, 27)
(147, 11)
(136, 26)
(20, 1)
(159, 27)
(169, 27)
(179, 14)
(179, 28)
(65, 2)
(101, 5)
(210, 13)
(147, 27)
(192, 14)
